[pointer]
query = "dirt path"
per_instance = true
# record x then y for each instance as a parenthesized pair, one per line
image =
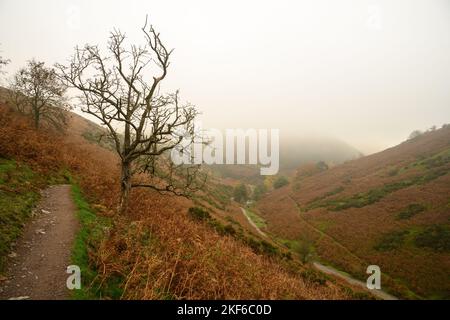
(37, 266)
(252, 223)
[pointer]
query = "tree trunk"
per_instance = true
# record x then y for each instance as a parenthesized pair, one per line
(36, 119)
(125, 187)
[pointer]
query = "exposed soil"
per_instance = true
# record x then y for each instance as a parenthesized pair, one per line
(38, 262)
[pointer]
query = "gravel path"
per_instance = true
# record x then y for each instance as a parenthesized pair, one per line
(253, 224)
(37, 266)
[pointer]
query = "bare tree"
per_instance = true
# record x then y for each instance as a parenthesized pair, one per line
(3, 62)
(117, 88)
(37, 90)
(17, 98)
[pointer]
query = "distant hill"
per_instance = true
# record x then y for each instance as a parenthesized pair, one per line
(391, 209)
(294, 151)
(297, 150)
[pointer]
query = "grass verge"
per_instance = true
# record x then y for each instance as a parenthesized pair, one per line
(259, 221)
(19, 193)
(93, 229)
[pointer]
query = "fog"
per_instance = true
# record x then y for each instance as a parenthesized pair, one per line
(364, 72)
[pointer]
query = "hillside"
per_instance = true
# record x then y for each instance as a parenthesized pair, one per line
(391, 209)
(295, 150)
(165, 247)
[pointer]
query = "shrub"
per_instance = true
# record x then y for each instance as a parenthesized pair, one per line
(259, 191)
(393, 172)
(391, 241)
(313, 276)
(435, 237)
(411, 211)
(280, 182)
(240, 193)
(198, 213)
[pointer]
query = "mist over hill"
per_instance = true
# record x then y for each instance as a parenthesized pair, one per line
(296, 150)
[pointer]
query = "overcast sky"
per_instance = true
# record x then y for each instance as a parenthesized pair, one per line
(366, 72)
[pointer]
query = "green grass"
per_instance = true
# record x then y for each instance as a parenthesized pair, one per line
(18, 195)
(92, 231)
(260, 222)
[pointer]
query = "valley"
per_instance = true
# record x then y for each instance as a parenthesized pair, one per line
(390, 209)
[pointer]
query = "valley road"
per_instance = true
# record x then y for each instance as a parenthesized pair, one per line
(332, 271)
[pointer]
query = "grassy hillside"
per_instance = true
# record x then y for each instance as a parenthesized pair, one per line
(391, 209)
(158, 250)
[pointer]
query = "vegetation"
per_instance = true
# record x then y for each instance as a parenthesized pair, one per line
(259, 191)
(199, 214)
(19, 192)
(411, 210)
(144, 123)
(36, 90)
(366, 198)
(92, 231)
(154, 252)
(3, 62)
(383, 209)
(435, 237)
(317, 202)
(259, 221)
(321, 166)
(240, 193)
(305, 250)
(281, 181)
(391, 241)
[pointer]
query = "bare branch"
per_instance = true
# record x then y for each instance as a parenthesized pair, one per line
(143, 123)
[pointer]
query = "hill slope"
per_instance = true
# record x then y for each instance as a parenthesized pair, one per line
(391, 209)
(159, 250)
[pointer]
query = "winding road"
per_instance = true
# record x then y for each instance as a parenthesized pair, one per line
(332, 271)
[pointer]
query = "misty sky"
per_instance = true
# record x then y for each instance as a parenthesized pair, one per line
(366, 72)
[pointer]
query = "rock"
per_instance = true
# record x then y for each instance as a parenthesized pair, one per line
(12, 255)
(3, 278)
(40, 231)
(45, 211)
